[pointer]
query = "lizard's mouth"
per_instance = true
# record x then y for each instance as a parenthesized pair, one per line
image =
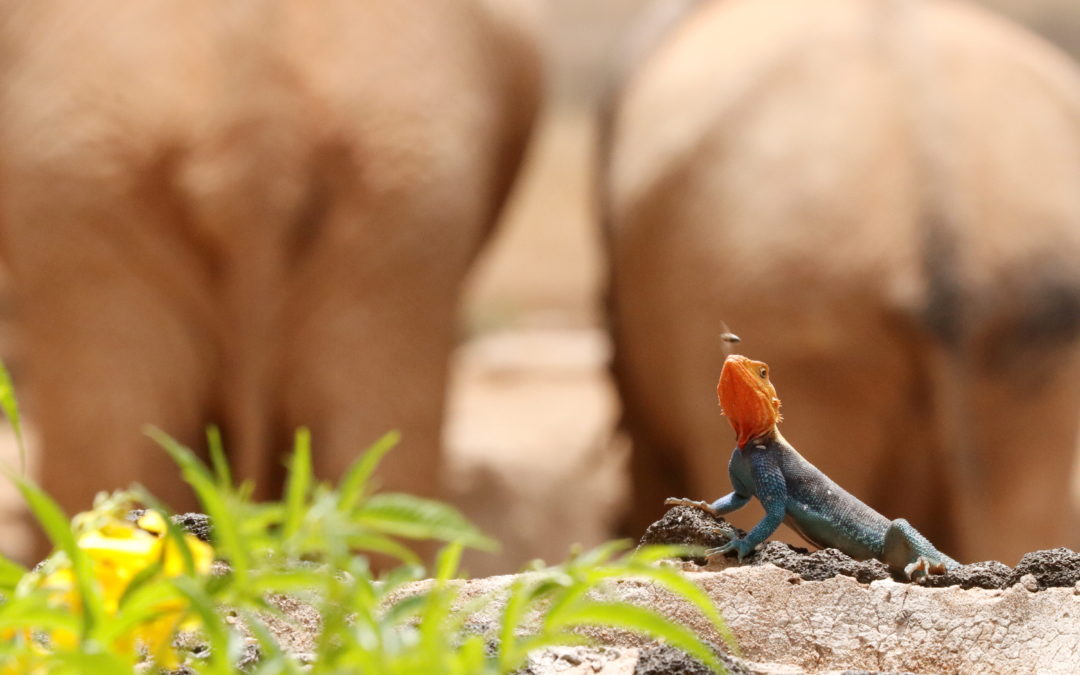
(747, 398)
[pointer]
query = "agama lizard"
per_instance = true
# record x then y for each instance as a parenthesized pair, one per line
(766, 466)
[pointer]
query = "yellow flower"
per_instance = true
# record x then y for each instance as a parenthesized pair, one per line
(119, 551)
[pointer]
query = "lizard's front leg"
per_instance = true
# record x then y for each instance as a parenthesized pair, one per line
(726, 504)
(772, 491)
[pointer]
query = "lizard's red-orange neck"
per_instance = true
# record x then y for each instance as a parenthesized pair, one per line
(748, 398)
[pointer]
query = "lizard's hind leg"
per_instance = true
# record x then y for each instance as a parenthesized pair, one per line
(910, 555)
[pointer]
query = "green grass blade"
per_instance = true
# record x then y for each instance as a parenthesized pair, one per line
(417, 518)
(11, 573)
(298, 484)
(80, 663)
(602, 554)
(270, 648)
(141, 579)
(472, 659)
(34, 612)
(227, 540)
(218, 461)
(434, 640)
(566, 596)
(680, 585)
(141, 605)
(641, 620)
(213, 626)
(10, 406)
(530, 644)
(355, 484)
(402, 610)
(288, 581)
(446, 566)
(370, 542)
(656, 552)
(516, 605)
(57, 527)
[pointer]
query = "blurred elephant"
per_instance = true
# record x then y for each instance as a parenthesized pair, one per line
(1056, 20)
(882, 198)
(251, 213)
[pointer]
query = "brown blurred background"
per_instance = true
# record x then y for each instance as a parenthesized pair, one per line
(534, 456)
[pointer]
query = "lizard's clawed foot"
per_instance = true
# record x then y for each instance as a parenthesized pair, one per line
(922, 567)
(741, 547)
(692, 503)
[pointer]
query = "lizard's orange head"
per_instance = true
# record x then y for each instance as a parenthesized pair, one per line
(748, 398)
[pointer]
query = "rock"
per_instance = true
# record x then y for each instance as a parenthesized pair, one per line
(571, 660)
(690, 527)
(660, 659)
(1053, 568)
(197, 524)
(989, 574)
(694, 527)
(839, 624)
(819, 565)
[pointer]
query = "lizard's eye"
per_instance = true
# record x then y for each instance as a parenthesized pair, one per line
(764, 372)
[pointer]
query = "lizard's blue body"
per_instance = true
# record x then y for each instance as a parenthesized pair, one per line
(794, 491)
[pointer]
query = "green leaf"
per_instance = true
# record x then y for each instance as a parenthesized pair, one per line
(142, 604)
(377, 543)
(288, 581)
(297, 484)
(448, 560)
(417, 518)
(354, 485)
(34, 612)
(57, 527)
(79, 663)
(472, 657)
(11, 573)
(406, 608)
(602, 554)
(655, 553)
(548, 639)
(516, 605)
(213, 626)
(641, 620)
(10, 406)
(680, 585)
(433, 635)
(270, 649)
(142, 578)
(227, 540)
(217, 458)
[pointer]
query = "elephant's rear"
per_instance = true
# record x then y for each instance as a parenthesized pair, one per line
(880, 199)
(256, 214)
